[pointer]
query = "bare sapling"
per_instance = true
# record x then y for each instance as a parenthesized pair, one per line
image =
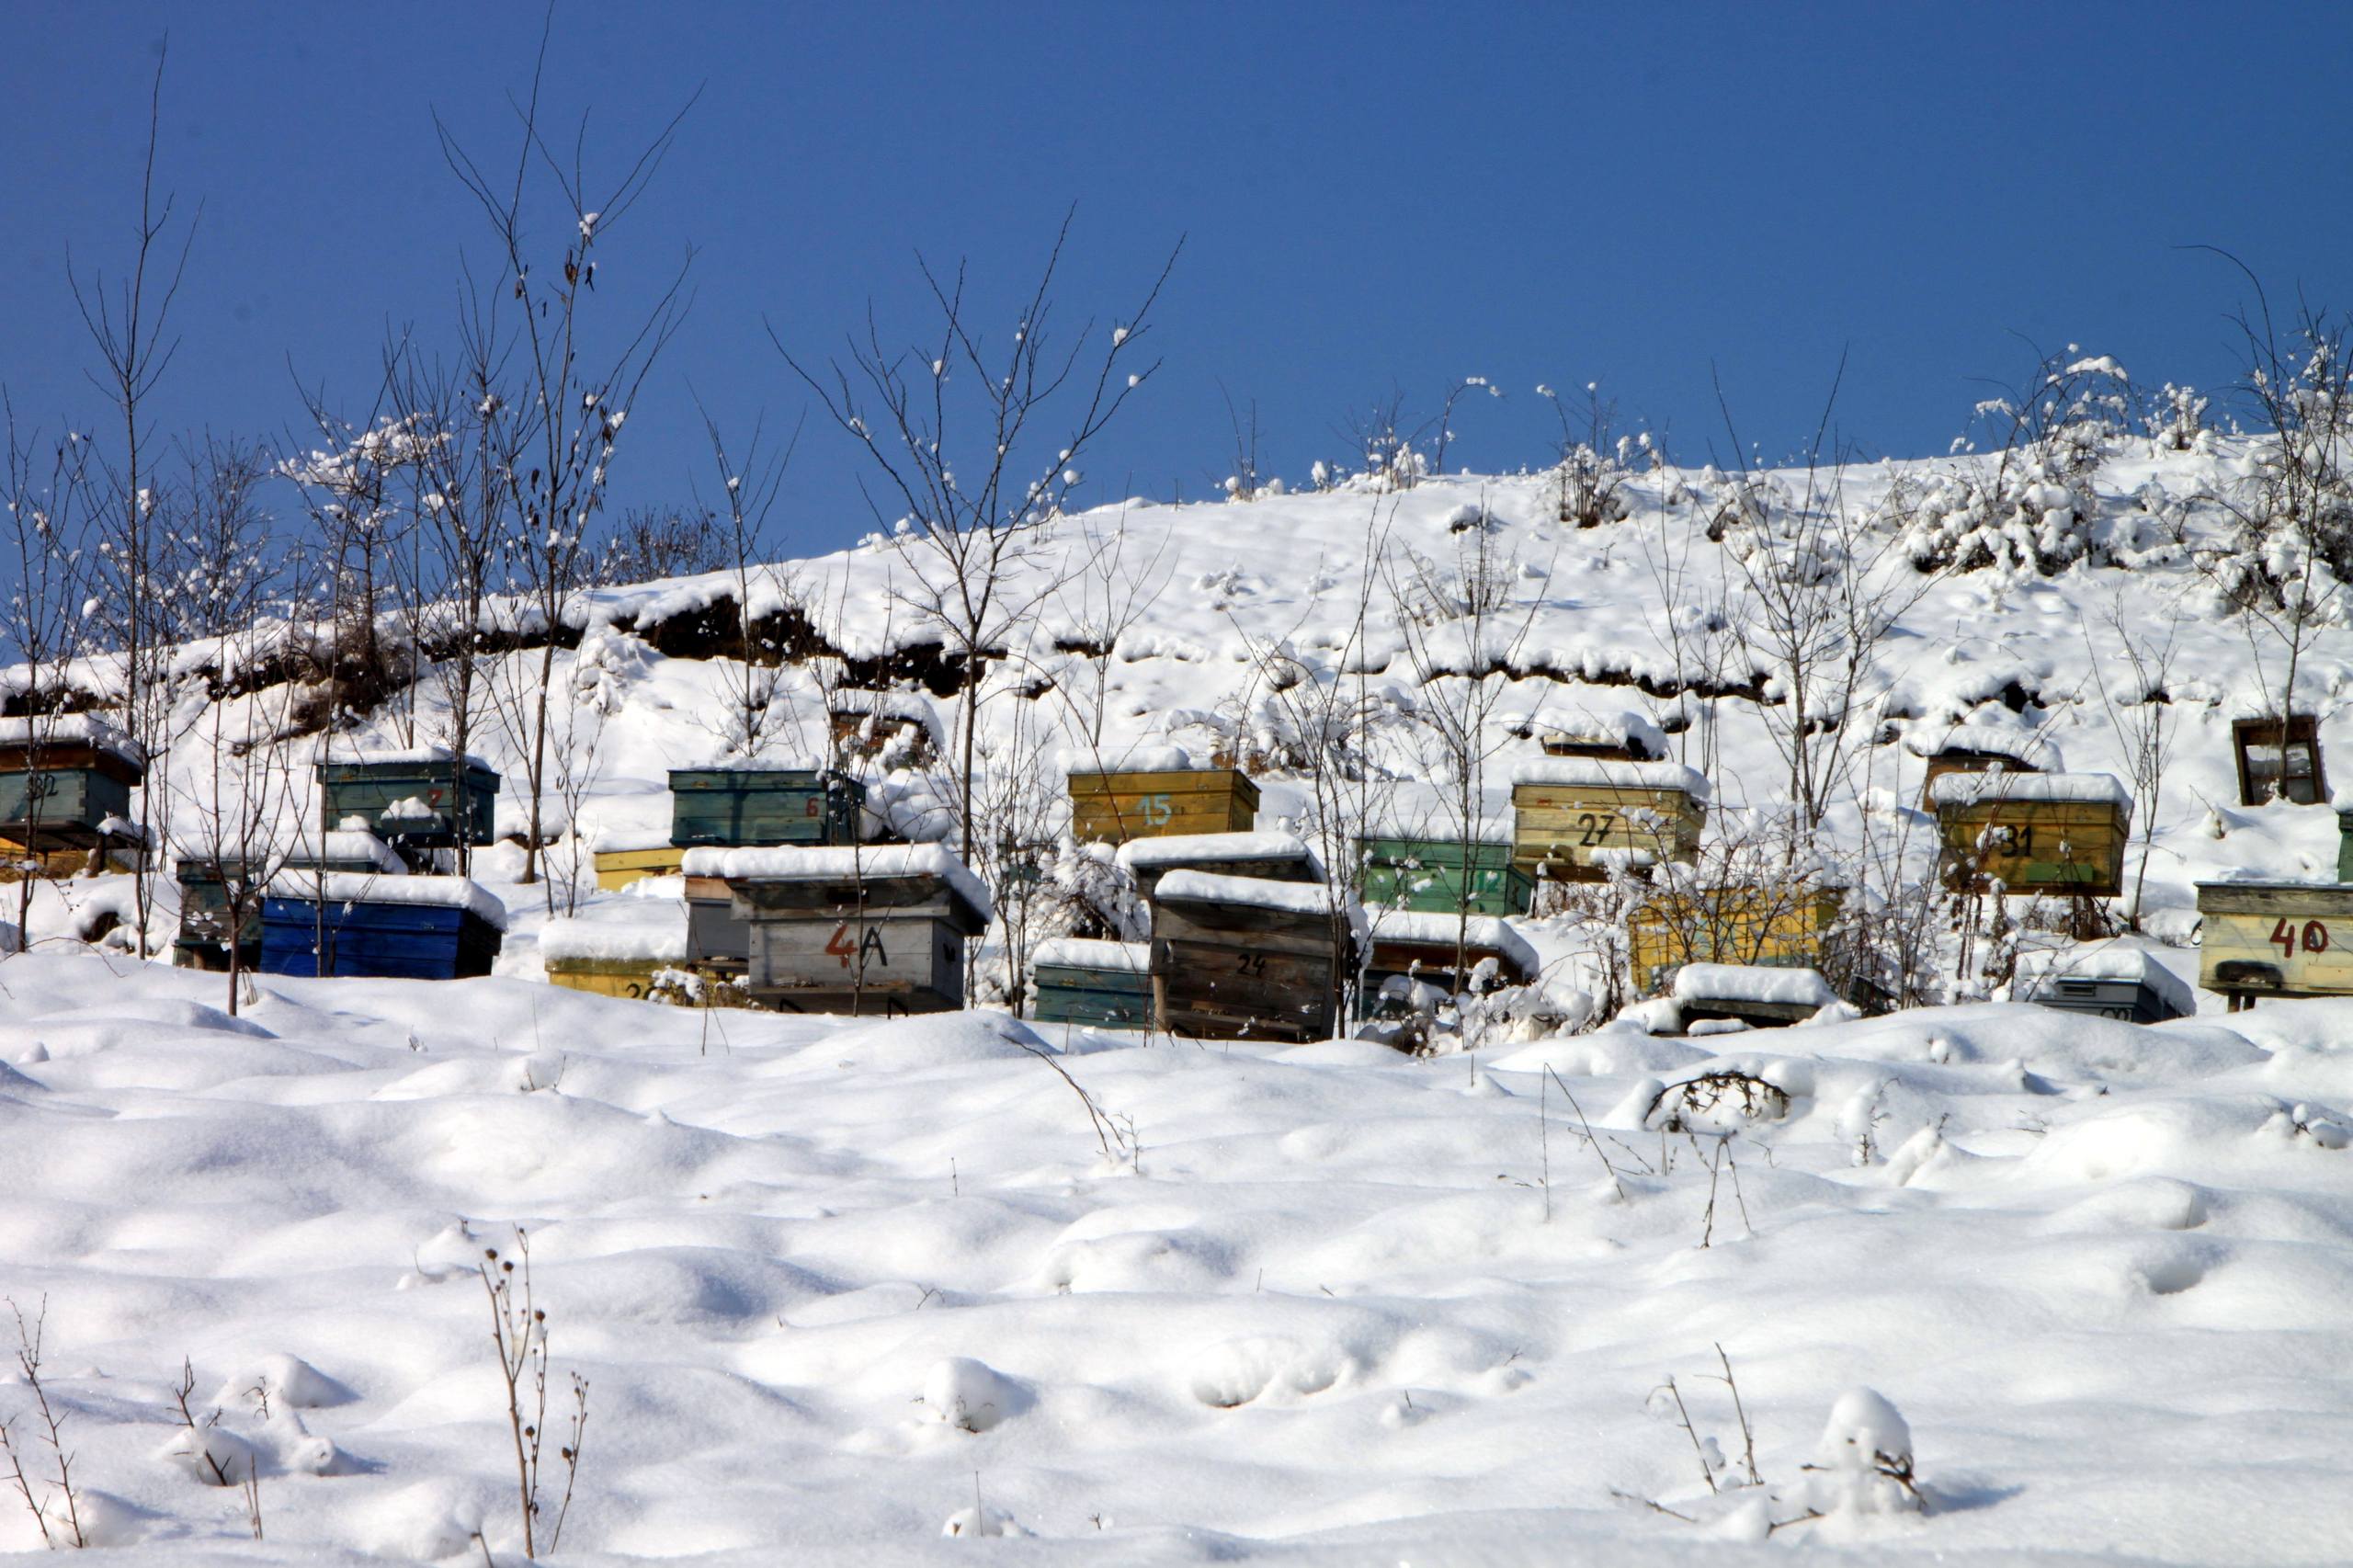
(57, 1492)
(519, 1333)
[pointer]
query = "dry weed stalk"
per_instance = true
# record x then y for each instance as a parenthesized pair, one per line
(520, 1331)
(28, 1358)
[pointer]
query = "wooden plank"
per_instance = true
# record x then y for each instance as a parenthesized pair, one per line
(2276, 940)
(1569, 830)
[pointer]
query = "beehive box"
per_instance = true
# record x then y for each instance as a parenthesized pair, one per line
(717, 937)
(1113, 808)
(1101, 986)
(2261, 940)
(846, 930)
(342, 923)
(64, 780)
(1762, 925)
(204, 877)
(1273, 857)
(1423, 946)
(2034, 833)
(2111, 979)
(1444, 876)
(1236, 958)
(1616, 735)
(420, 799)
(616, 868)
(751, 805)
(635, 949)
(1760, 997)
(1572, 817)
(1976, 748)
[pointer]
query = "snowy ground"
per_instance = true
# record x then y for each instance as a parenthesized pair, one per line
(1318, 1315)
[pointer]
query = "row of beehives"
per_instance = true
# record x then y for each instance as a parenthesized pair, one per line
(356, 893)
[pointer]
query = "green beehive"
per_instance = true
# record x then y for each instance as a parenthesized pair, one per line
(64, 779)
(728, 807)
(1429, 876)
(413, 800)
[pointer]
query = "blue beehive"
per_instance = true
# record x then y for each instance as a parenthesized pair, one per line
(379, 928)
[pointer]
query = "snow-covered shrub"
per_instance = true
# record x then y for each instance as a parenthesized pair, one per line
(2034, 510)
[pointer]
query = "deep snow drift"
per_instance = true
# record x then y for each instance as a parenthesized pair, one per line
(1320, 1305)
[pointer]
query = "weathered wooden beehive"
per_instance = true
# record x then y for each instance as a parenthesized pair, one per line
(888, 728)
(1444, 876)
(344, 923)
(205, 876)
(1273, 857)
(1763, 925)
(1977, 748)
(2110, 979)
(1613, 736)
(2258, 939)
(750, 805)
(417, 800)
(1574, 817)
(1101, 986)
(1407, 945)
(2267, 768)
(2034, 833)
(1113, 808)
(65, 783)
(636, 948)
(878, 930)
(1238, 958)
(1759, 997)
(2345, 842)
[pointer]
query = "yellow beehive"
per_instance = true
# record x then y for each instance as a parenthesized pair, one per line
(2275, 940)
(1756, 926)
(2034, 833)
(646, 979)
(1112, 808)
(1574, 817)
(616, 868)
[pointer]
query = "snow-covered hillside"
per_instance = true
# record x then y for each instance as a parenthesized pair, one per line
(1995, 1283)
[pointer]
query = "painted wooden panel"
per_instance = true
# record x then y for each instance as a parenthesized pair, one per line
(746, 806)
(1112, 808)
(616, 868)
(2071, 847)
(405, 941)
(434, 810)
(2276, 938)
(56, 807)
(1770, 927)
(1569, 830)
(1095, 998)
(1427, 875)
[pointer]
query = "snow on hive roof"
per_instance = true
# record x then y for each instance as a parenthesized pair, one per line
(2039, 969)
(1966, 788)
(307, 849)
(341, 752)
(1179, 847)
(1438, 930)
(1610, 773)
(846, 863)
(886, 704)
(1748, 983)
(366, 887)
(638, 930)
(69, 729)
(1589, 726)
(2022, 746)
(1125, 759)
(621, 837)
(1080, 953)
(1257, 893)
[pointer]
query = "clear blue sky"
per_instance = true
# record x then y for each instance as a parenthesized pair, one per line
(1373, 196)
